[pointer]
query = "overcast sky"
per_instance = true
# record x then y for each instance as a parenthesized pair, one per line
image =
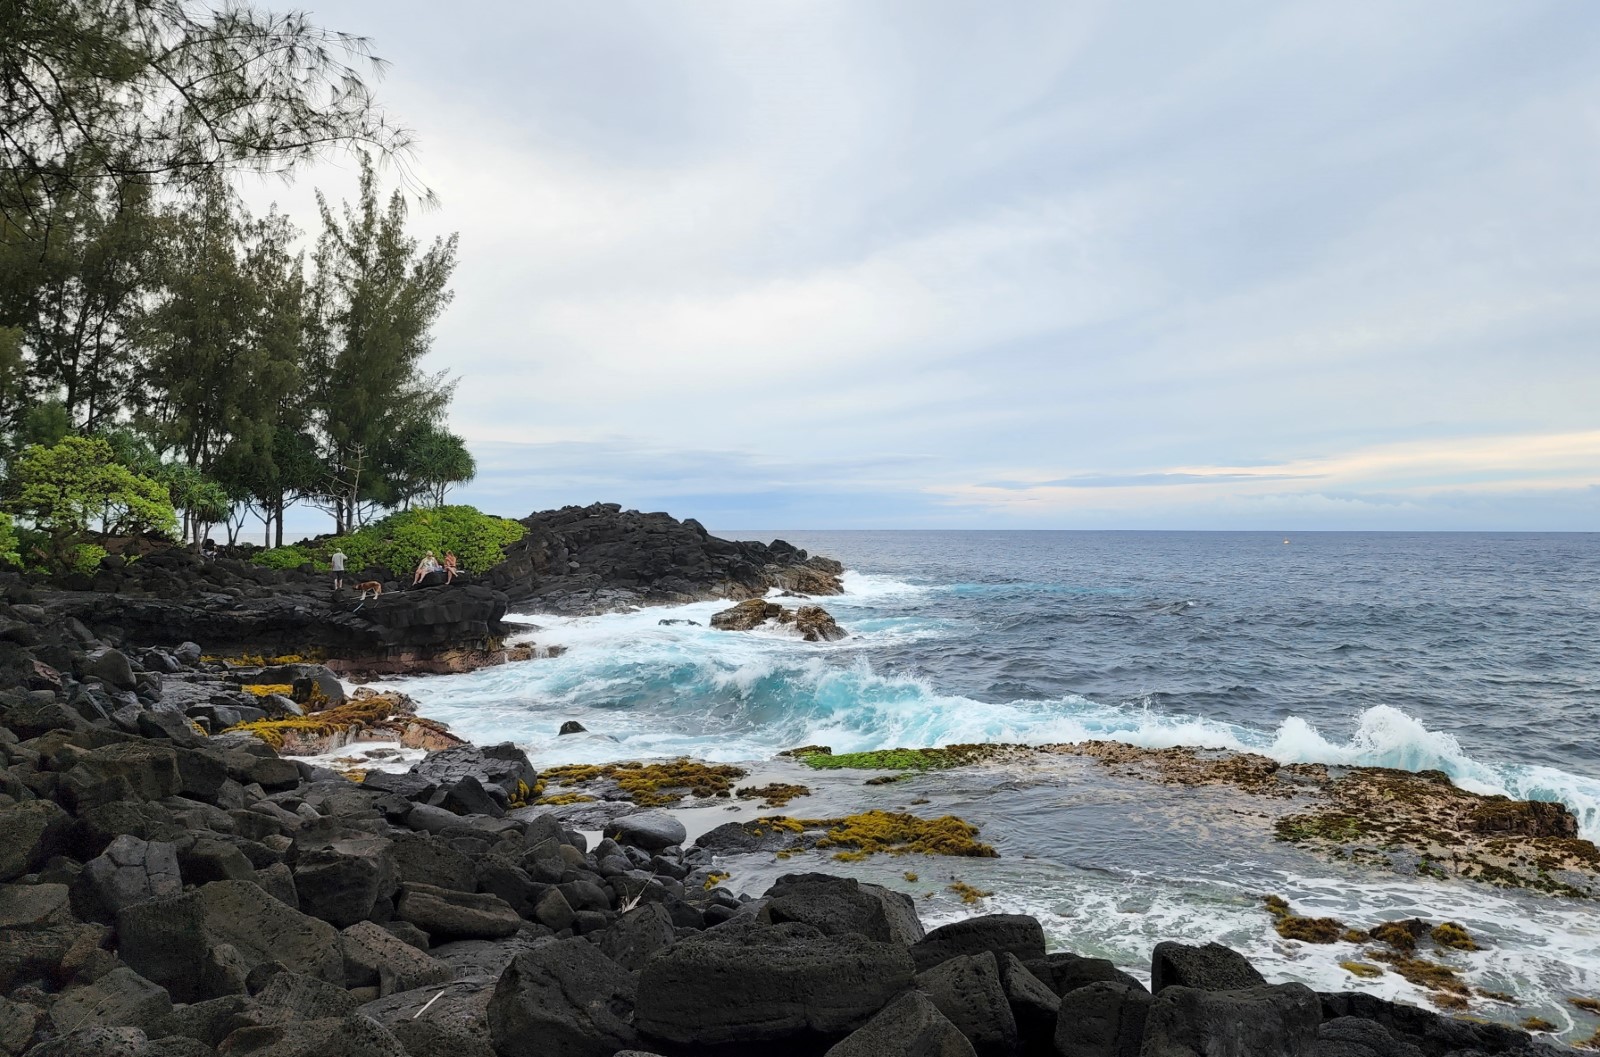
(845, 264)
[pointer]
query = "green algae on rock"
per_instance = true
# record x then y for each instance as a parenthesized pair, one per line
(649, 784)
(905, 759)
(852, 838)
(1393, 817)
(366, 716)
(774, 794)
(1292, 926)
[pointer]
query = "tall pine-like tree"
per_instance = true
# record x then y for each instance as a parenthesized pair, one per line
(381, 294)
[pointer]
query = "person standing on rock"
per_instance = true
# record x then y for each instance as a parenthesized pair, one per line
(336, 559)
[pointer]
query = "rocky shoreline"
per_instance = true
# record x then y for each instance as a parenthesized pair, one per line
(575, 560)
(173, 883)
(167, 893)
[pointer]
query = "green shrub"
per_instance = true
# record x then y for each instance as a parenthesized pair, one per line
(10, 542)
(86, 558)
(290, 557)
(399, 541)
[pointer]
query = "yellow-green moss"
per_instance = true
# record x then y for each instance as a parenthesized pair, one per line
(521, 795)
(1450, 934)
(967, 892)
(898, 833)
(653, 784)
(1588, 1005)
(1537, 1024)
(559, 799)
(257, 660)
(1364, 970)
(910, 876)
(905, 759)
(777, 794)
(1291, 926)
(357, 712)
(1423, 973)
(263, 689)
(714, 878)
(1397, 934)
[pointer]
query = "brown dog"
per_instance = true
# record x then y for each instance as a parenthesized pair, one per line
(369, 586)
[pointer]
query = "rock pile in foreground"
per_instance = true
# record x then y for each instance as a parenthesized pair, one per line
(160, 899)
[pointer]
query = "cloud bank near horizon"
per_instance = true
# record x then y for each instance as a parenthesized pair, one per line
(849, 264)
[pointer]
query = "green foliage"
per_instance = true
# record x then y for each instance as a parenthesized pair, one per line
(171, 89)
(424, 461)
(86, 558)
(399, 541)
(203, 501)
(290, 557)
(140, 302)
(66, 488)
(87, 268)
(10, 542)
(380, 295)
(44, 423)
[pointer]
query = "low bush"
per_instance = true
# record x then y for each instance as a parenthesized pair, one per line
(398, 542)
(290, 557)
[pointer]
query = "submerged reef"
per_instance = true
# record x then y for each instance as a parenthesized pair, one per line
(1407, 822)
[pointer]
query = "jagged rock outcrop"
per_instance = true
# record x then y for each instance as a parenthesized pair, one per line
(812, 622)
(237, 607)
(600, 557)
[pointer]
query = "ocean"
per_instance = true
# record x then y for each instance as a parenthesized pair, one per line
(1475, 654)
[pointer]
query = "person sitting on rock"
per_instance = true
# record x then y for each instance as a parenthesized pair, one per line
(450, 569)
(428, 564)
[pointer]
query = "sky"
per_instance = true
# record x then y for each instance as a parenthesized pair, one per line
(860, 264)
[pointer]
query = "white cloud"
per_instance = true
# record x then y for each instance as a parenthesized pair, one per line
(1090, 239)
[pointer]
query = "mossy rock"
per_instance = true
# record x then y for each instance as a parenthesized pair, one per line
(905, 759)
(651, 784)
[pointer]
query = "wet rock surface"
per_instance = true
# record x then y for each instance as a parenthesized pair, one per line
(812, 622)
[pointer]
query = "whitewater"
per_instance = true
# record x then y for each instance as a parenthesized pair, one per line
(1469, 655)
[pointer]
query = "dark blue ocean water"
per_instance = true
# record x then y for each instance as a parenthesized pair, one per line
(1493, 638)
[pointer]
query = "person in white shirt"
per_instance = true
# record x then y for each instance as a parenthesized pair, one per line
(336, 559)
